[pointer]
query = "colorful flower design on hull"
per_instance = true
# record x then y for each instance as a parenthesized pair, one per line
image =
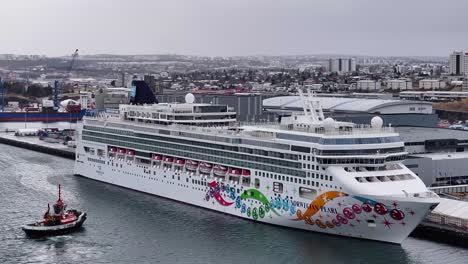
(352, 216)
(258, 196)
(215, 192)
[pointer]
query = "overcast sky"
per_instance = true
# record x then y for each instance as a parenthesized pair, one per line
(234, 27)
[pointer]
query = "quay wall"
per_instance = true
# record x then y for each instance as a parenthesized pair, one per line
(35, 147)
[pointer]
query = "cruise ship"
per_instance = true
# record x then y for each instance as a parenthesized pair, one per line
(306, 171)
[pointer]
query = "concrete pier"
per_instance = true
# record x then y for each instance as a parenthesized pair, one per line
(33, 143)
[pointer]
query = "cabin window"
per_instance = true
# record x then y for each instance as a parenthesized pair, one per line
(307, 193)
(277, 187)
(257, 183)
(246, 181)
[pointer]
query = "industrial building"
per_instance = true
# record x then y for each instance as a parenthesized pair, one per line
(361, 111)
(433, 95)
(437, 155)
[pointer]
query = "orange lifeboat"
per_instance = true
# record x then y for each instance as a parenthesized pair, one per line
(246, 173)
(130, 152)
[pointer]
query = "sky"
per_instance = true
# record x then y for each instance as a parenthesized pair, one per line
(234, 27)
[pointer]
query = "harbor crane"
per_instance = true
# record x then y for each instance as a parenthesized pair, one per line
(74, 56)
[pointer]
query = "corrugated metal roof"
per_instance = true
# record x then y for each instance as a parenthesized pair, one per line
(335, 103)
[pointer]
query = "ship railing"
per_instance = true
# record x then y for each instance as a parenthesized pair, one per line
(355, 130)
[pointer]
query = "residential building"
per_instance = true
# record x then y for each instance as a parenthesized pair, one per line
(458, 63)
(431, 84)
(399, 84)
(368, 85)
(341, 65)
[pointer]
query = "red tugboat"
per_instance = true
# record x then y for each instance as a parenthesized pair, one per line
(58, 222)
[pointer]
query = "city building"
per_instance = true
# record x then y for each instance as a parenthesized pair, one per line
(458, 63)
(399, 84)
(112, 97)
(431, 84)
(367, 85)
(340, 65)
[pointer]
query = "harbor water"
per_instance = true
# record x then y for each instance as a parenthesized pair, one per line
(125, 226)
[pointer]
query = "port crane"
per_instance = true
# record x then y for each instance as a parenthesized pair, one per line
(74, 56)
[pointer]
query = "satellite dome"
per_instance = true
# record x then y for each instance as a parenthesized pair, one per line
(376, 122)
(328, 123)
(189, 98)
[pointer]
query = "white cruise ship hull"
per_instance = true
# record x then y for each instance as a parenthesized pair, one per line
(382, 218)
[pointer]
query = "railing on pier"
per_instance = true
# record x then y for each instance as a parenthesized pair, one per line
(450, 189)
(447, 220)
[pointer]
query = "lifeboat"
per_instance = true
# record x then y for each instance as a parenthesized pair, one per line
(179, 161)
(157, 157)
(234, 172)
(205, 167)
(246, 173)
(219, 170)
(122, 151)
(191, 165)
(112, 149)
(130, 152)
(168, 159)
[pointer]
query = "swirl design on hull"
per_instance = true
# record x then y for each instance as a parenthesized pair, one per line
(317, 204)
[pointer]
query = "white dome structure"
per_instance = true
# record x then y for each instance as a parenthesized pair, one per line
(329, 123)
(376, 122)
(189, 98)
(68, 102)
